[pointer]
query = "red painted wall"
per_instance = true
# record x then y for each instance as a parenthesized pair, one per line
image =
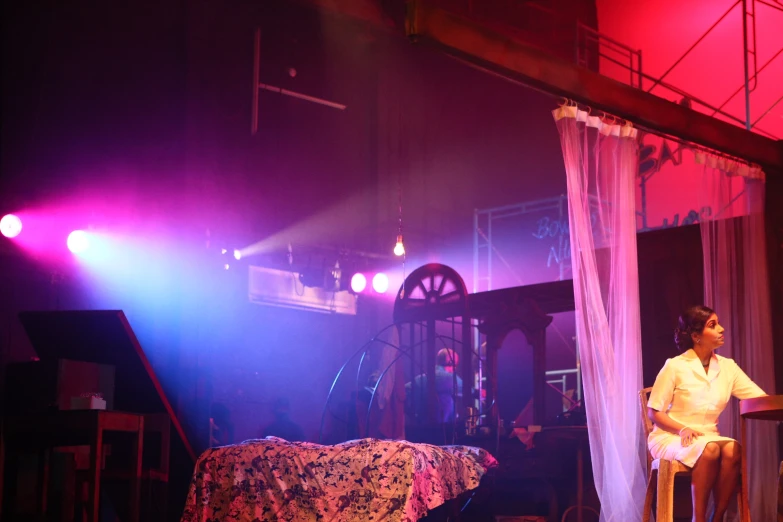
(664, 30)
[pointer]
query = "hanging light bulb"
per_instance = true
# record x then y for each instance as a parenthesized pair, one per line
(399, 248)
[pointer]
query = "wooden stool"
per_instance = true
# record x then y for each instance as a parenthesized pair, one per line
(780, 494)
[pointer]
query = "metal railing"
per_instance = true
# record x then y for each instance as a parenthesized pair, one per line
(608, 49)
(562, 380)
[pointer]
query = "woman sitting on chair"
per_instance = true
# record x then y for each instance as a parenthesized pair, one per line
(689, 394)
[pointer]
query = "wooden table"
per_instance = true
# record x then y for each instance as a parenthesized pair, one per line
(580, 436)
(65, 428)
(768, 408)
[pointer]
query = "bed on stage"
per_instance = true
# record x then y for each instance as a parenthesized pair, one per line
(366, 479)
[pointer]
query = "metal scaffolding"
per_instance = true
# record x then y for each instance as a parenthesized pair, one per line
(486, 254)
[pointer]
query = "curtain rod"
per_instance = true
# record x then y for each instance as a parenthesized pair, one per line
(646, 130)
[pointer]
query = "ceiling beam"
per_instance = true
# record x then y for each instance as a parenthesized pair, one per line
(373, 12)
(516, 60)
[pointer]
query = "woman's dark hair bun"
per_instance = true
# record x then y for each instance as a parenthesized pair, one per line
(682, 339)
(691, 322)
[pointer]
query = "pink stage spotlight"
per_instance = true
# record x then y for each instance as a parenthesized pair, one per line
(358, 283)
(10, 226)
(78, 241)
(380, 283)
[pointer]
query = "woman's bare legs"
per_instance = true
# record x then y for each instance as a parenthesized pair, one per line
(703, 479)
(728, 477)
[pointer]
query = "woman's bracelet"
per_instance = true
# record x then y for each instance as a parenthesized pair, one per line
(683, 428)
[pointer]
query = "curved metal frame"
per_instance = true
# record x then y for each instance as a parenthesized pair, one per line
(364, 350)
(435, 304)
(420, 301)
(500, 313)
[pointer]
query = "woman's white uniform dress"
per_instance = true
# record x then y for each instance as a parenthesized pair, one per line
(695, 398)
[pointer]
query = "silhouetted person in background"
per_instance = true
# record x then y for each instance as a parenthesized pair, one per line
(446, 362)
(221, 432)
(283, 426)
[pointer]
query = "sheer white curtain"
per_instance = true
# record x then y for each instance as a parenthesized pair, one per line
(601, 166)
(736, 285)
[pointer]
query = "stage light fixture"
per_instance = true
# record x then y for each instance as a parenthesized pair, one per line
(380, 283)
(358, 283)
(399, 248)
(312, 277)
(78, 241)
(237, 255)
(10, 226)
(334, 280)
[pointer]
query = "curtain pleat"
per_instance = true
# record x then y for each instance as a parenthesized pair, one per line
(736, 285)
(601, 165)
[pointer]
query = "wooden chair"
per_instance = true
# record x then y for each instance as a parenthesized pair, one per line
(661, 474)
(780, 494)
(41, 433)
(155, 475)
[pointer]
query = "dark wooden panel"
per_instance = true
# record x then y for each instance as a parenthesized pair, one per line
(671, 278)
(551, 298)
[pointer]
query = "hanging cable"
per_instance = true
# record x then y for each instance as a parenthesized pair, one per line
(399, 247)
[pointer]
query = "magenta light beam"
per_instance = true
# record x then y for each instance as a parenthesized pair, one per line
(78, 241)
(10, 226)
(358, 283)
(380, 283)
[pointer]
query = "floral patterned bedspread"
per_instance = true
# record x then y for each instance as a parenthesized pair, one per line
(362, 480)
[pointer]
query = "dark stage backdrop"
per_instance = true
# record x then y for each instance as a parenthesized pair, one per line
(141, 114)
(446, 138)
(671, 278)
